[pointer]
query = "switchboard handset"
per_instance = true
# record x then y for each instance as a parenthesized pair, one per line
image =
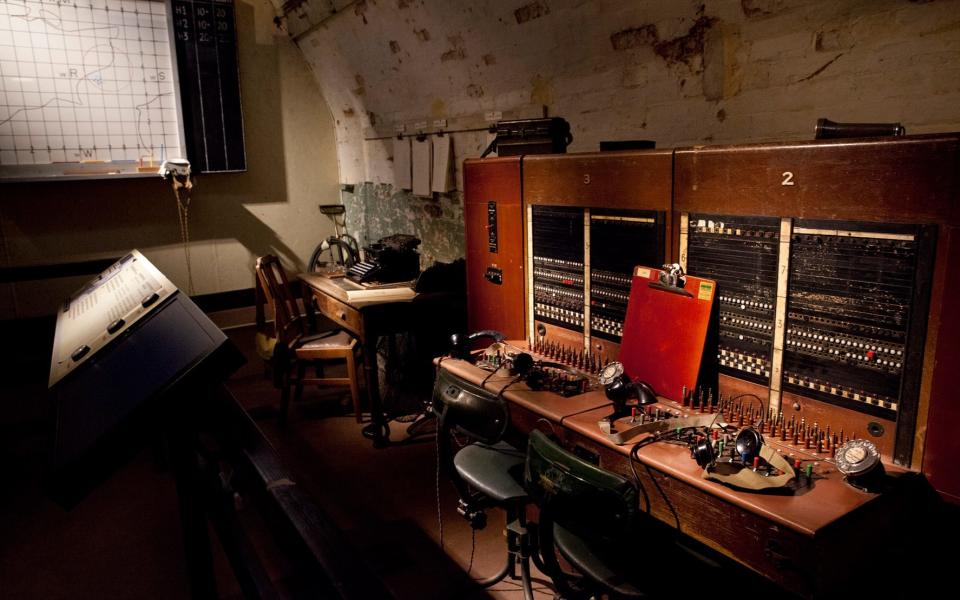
(619, 388)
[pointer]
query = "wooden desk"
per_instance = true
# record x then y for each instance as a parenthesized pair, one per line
(370, 319)
(805, 540)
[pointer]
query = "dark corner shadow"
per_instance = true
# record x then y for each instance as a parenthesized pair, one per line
(406, 559)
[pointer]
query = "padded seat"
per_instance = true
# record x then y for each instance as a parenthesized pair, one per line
(495, 471)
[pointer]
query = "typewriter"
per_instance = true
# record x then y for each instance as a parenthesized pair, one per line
(391, 259)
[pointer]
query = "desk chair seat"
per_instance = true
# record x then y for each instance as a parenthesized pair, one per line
(329, 345)
(325, 341)
(297, 346)
(496, 471)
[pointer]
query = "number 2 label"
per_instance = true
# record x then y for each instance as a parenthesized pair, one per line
(787, 178)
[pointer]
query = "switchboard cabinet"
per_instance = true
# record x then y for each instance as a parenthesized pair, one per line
(834, 262)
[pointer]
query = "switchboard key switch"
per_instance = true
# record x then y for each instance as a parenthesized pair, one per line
(114, 327)
(79, 353)
(149, 300)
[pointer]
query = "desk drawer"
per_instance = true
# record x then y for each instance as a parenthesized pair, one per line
(340, 313)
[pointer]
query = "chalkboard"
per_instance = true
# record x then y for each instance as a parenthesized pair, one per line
(206, 45)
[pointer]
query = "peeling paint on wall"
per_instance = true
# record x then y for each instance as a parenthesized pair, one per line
(686, 49)
(531, 11)
(831, 40)
(757, 9)
(360, 9)
(455, 53)
(375, 211)
(721, 70)
(635, 37)
(394, 46)
(541, 90)
(489, 59)
(422, 34)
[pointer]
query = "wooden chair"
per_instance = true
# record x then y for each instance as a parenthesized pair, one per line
(297, 345)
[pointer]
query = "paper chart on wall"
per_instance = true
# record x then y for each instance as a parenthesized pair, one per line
(89, 81)
(422, 163)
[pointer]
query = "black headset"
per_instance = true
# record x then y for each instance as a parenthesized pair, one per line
(748, 444)
(533, 372)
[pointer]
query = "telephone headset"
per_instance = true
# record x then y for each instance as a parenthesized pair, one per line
(540, 375)
(537, 374)
(747, 444)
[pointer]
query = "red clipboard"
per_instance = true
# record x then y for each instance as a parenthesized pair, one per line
(665, 331)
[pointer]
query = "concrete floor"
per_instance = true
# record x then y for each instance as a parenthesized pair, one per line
(386, 500)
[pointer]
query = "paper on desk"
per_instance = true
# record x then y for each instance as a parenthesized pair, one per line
(422, 162)
(401, 163)
(442, 160)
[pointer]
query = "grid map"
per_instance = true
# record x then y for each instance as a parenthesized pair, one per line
(86, 81)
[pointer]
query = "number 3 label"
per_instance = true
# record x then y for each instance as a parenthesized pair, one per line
(787, 178)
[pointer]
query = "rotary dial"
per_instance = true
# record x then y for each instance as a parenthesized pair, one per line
(610, 373)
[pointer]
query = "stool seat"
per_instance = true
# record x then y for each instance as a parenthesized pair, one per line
(495, 470)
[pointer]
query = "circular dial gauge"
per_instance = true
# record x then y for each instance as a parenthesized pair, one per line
(610, 373)
(857, 457)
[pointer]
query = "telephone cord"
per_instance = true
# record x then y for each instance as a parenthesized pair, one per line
(183, 214)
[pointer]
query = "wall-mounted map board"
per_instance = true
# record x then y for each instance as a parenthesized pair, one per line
(92, 88)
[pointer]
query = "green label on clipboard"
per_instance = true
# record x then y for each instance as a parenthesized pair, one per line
(706, 291)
